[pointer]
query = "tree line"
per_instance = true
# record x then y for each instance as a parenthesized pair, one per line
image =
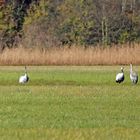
(48, 23)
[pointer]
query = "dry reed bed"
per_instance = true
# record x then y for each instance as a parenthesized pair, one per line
(72, 56)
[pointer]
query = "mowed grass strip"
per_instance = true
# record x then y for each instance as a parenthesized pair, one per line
(69, 107)
(92, 106)
(70, 134)
(64, 75)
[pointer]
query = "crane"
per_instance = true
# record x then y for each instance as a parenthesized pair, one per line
(24, 78)
(133, 75)
(120, 76)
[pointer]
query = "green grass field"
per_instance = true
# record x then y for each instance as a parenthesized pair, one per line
(68, 103)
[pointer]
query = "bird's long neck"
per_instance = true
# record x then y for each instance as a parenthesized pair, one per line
(130, 68)
(25, 70)
(26, 74)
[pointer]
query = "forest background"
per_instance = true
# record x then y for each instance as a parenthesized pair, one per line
(59, 24)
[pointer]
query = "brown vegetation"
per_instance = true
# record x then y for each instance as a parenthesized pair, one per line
(72, 56)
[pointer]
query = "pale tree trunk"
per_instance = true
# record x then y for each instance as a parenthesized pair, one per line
(104, 27)
(133, 6)
(123, 6)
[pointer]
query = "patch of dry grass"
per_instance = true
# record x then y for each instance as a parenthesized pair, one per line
(72, 56)
(70, 134)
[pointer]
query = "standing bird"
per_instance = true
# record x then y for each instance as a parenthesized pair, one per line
(133, 75)
(25, 78)
(120, 76)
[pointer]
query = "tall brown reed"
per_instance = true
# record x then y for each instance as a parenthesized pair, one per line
(72, 56)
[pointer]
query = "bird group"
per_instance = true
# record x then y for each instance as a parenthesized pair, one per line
(119, 77)
(133, 76)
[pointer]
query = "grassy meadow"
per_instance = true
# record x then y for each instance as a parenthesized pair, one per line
(68, 103)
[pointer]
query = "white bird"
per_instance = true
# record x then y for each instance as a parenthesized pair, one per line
(133, 75)
(24, 78)
(120, 76)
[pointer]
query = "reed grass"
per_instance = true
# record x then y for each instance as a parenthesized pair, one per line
(115, 55)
